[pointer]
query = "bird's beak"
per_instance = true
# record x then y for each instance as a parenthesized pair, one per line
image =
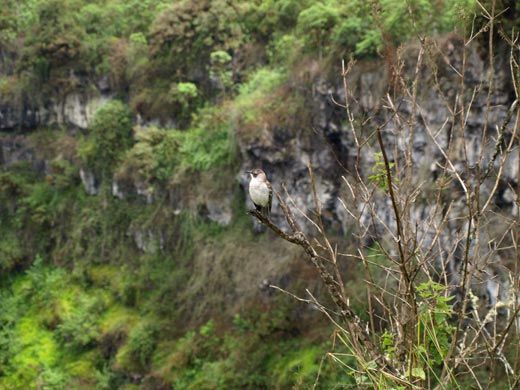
(249, 172)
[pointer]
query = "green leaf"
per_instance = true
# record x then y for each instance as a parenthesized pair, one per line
(418, 372)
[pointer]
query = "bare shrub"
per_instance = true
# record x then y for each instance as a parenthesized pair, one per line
(432, 199)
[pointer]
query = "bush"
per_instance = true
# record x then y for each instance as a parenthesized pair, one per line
(136, 354)
(158, 153)
(268, 17)
(184, 95)
(54, 42)
(316, 22)
(11, 251)
(153, 157)
(207, 145)
(220, 69)
(80, 327)
(185, 34)
(267, 103)
(141, 342)
(110, 134)
(255, 94)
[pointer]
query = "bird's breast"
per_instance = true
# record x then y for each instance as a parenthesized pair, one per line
(259, 192)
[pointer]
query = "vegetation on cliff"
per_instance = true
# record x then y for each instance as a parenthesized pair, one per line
(139, 286)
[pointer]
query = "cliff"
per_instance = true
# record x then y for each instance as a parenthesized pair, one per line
(285, 149)
(125, 244)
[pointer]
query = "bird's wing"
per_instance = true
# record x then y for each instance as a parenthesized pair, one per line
(270, 202)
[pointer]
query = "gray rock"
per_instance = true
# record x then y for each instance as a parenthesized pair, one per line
(219, 210)
(90, 182)
(284, 152)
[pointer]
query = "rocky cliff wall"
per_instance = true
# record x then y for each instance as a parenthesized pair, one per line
(466, 119)
(328, 144)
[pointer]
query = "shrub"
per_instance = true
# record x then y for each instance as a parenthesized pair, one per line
(354, 35)
(141, 342)
(54, 41)
(79, 327)
(184, 94)
(268, 17)
(159, 152)
(206, 148)
(254, 95)
(220, 69)
(11, 251)
(110, 134)
(298, 367)
(185, 34)
(153, 157)
(316, 22)
(266, 103)
(135, 355)
(285, 50)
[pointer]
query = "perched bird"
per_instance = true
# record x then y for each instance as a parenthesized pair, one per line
(260, 191)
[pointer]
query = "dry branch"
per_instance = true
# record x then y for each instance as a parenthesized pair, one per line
(358, 331)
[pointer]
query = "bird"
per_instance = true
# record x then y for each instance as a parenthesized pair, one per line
(260, 191)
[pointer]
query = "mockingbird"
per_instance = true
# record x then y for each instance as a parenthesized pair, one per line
(260, 191)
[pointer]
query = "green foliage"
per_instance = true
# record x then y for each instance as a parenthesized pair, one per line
(388, 343)
(435, 329)
(11, 250)
(183, 93)
(220, 69)
(178, 71)
(32, 207)
(379, 174)
(63, 174)
(248, 359)
(159, 153)
(300, 367)
(184, 96)
(362, 28)
(109, 136)
(262, 82)
(186, 33)
(433, 332)
(284, 51)
(60, 35)
(316, 22)
(257, 102)
(26, 343)
(141, 343)
(207, 145)
(11, 88)
(151, 48)
(55, 39)
(40, 204)
(79, 326)
(266, 17)
(210, 67)
(154, 155)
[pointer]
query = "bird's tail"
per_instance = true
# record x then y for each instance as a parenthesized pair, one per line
(266, 211)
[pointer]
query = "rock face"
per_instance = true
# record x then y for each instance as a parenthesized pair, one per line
(89, 181)
(430, 132)
(74, 110)
(16, 148)
(427, 130)
(331, 149)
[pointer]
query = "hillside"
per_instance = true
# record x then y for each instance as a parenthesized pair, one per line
(127, 256)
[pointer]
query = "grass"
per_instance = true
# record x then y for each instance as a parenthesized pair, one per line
(208, 357)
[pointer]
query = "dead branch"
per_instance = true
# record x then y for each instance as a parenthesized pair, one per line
(356, 328)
